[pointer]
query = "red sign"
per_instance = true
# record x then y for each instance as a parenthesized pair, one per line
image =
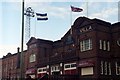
(86, 63)
(30, 71)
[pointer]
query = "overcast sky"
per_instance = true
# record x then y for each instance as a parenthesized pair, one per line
(58, 23)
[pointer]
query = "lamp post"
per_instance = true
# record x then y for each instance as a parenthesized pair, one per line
(22, 42)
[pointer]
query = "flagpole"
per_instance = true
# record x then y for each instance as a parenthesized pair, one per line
(71, 21)
(119, 11)
(22, 42)
(35, 27)
(87, 7)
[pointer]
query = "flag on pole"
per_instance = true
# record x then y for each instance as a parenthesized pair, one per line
(76, 9)
(41, 16)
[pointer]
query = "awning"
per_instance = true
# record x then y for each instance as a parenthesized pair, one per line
(86, 63)
(30, 71)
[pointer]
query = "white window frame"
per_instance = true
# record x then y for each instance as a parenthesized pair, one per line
(102, 66)
(100, 44)
(42, 70)
(86, 45)
(105, 68)
(117, 68)
(108, 46)
(32, 58)
(109, 68)
(70, 68)
(104, 45)
(55, 68)
(87, 72)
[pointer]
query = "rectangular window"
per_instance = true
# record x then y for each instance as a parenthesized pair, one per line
(109, 68)
(101, 65)
(42, 70)
(105, 66)
(70, 66)
(32, 58)
(104, 45)
(117, 68)
(55, 68)
(100, 44)
(82, 47)
(86, 45)
(108, 46)
(87, 71)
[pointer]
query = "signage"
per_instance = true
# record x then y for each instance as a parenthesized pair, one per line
(86, 63)
(85, 29)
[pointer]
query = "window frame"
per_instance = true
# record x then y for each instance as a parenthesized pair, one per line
(86, 45)
(32, 58)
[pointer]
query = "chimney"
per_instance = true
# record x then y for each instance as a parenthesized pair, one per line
(18, 50)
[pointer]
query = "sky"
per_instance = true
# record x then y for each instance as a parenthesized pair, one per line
(60, 18)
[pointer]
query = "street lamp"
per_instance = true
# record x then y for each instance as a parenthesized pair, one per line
(22, 41)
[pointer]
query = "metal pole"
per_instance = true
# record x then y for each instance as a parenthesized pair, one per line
(119, 11)
(22, 42)
(87, 7)
(71, 21)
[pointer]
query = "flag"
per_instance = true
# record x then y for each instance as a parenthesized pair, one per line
(42, 16)
(75, 9)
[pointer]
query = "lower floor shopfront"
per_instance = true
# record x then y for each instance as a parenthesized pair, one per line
(89, 69)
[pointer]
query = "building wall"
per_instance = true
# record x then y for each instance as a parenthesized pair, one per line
(10, 66)
(68, 56)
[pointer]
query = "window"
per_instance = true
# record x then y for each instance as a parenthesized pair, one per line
(117, 68)
(86, 45)
(100, 44)
(108, 46)
(42, 70)
(70, 66)
(87, 71)
(101, 67)
(104, 45)
(32, 58)
(55, 68)
(109, 68)
(105, 68)
(67, 66)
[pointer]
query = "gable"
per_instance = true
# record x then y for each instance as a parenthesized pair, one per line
(32, 40)
(81, 22)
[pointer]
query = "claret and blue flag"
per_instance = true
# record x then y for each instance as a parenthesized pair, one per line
(41, 16)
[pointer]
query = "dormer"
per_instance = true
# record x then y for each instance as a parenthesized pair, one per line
(32, 43)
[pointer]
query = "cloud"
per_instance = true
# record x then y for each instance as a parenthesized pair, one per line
(105, 14)
(4, 49)
(47, 7)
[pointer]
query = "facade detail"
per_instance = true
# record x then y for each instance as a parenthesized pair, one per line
(91, 52)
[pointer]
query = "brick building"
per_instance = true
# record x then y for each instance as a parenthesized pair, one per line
(11, 66)
(90, 50)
